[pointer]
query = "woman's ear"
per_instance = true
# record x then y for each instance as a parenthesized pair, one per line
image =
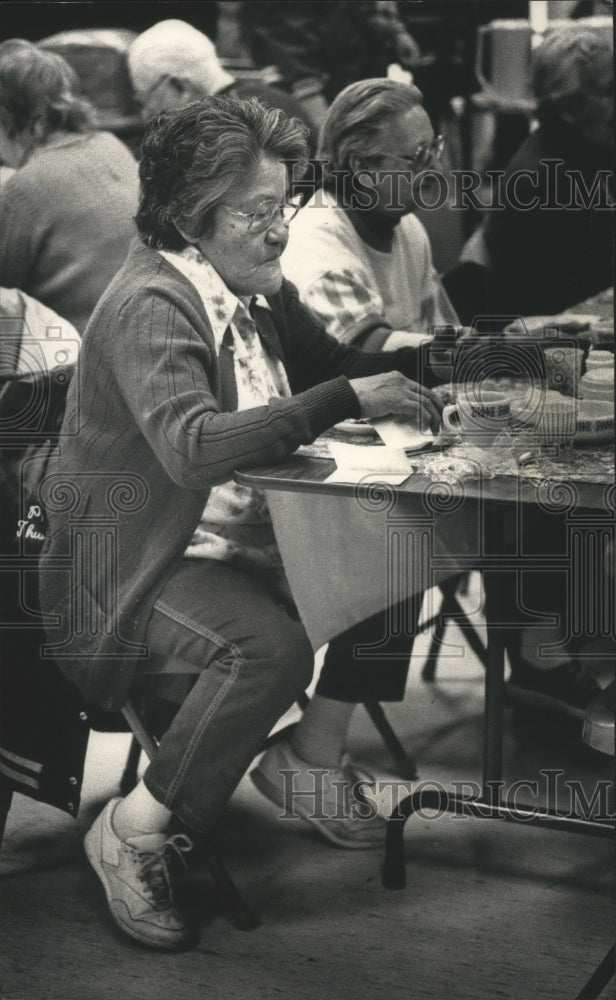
(356, 163)
(185, 236)
(37, 132)
(181, 90)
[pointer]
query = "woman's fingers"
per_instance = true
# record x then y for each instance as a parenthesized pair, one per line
(421, 410)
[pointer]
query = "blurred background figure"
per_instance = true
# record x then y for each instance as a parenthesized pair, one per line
(320, 48)
(34, 338)
(66, 213)
(172, 64)
(527, 259)
(543, 262)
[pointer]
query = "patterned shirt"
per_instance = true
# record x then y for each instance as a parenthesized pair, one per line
(354, 287)
(235, 526)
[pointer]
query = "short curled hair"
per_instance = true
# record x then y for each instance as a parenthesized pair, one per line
(568, 65)
(356, 117)
(39, 88)
(194, 158)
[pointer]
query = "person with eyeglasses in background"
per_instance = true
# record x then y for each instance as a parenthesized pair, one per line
(172, 64)
(199, 360)
(362, 263)
(369, 275)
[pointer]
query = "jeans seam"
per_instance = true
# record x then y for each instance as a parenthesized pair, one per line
(238, 658)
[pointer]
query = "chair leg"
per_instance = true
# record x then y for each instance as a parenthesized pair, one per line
(452, 609)
(428, 672)
(6, 795)
(128, 780)
(600, 977)
(234, 906)
(404, 765)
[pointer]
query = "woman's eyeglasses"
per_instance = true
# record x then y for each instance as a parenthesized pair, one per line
(422, 156)
(266, 213)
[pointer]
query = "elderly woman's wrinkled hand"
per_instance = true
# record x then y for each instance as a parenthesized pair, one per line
(392, 394)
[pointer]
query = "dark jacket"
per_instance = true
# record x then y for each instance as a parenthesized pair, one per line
(150, 427)
(552, 256)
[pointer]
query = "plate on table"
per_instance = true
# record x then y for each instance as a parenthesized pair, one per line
(355, 427)
(544, 327)
(368, 431)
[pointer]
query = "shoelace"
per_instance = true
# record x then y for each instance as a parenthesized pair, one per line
(154, 871)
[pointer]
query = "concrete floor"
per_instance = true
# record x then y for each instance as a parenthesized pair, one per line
(490, 909)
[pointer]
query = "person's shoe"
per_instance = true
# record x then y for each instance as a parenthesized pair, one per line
(337, 802)
(566, 689)
(136, 880)
(599, 721)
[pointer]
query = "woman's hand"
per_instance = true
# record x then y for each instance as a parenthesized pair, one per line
(393, 395)
(404, 338)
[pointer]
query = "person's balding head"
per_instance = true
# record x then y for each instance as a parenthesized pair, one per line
(172, 64)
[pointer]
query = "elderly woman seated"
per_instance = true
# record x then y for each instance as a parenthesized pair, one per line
(67, 212)
(362, 263)
(199, 360)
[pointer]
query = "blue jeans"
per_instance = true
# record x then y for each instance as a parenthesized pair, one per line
(251, 658)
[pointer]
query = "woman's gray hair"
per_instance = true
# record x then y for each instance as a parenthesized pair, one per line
(195, 158)
(568, 63)
(356, 117)
(38, 88)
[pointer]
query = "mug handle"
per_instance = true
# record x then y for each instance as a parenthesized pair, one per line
(448, 413)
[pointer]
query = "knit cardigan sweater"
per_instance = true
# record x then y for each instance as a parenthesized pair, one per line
(149, 428)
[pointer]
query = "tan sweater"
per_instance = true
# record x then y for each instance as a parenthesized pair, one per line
(66, 221)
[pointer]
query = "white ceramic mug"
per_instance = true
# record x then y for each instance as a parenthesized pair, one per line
(479, 415)
(599, 359)
(557, 422)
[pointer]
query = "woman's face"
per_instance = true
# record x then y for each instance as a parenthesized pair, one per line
(249, 262)
(398, 144)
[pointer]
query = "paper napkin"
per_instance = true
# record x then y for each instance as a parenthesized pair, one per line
(367, 464)
(397, 435)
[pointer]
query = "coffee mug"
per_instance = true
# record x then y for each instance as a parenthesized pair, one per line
(557, 422)
(599, 359)
(479, 415)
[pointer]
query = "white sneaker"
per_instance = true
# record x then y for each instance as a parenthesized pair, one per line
(337, 802)
(137, 883)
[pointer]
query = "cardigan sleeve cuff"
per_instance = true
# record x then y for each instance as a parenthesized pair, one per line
(328, 403)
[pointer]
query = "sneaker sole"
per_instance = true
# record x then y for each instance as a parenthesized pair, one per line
(272, 793)
(599, 737)
(94, 860)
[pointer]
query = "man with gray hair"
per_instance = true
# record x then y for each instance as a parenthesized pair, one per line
(173, 64)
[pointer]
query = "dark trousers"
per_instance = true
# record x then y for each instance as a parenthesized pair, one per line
(370, 662)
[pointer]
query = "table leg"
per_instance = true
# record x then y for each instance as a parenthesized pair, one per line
(495, 672)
